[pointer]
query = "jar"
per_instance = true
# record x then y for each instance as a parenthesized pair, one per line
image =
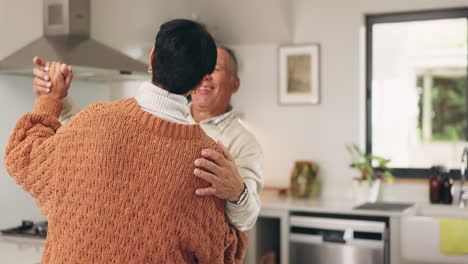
(304, 180)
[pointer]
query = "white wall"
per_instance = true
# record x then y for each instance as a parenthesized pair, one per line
(317, 132)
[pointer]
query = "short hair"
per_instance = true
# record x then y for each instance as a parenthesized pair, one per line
(233, 57)
(184, 53)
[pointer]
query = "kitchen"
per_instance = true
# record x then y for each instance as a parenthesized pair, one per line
(286, 133)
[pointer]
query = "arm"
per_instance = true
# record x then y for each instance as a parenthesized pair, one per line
(249, 165)
(228, 176)
(30, 154)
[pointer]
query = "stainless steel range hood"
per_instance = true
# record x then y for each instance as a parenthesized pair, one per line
(66, 39)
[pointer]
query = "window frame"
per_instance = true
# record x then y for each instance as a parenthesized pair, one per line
(372, 19)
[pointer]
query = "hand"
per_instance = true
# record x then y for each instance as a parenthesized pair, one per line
(60, 83)
(41, 82)
(220, 170)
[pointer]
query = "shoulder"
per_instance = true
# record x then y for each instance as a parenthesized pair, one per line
(108, 107)
(97, 111)
(207, 142)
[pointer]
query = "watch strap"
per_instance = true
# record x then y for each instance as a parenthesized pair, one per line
(242, 196)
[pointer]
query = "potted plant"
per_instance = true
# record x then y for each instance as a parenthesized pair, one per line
(372, 170)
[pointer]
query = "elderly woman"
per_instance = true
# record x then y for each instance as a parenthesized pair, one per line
(116, 182)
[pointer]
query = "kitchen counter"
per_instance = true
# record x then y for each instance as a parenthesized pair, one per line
(20, 250)
(272, 201)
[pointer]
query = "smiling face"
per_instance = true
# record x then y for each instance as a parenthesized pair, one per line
(214, 94)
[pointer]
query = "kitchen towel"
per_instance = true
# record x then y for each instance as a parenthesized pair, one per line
(453, 236)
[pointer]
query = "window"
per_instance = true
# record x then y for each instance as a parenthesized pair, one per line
(416, 86)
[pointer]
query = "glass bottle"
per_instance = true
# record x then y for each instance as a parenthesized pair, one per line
(435, 184)
(446, 196)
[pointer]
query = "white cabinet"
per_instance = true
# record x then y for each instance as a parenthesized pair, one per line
(420, 238)
(271, 233)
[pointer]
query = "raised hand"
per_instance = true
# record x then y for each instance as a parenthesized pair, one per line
(41, 83)
(60, 83)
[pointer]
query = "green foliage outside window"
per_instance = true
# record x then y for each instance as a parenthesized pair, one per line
(448, 108)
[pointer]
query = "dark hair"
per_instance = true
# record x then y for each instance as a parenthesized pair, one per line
(184, 53)
(232, 55)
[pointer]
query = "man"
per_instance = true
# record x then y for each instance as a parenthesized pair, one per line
(211, 109)
(116, 182)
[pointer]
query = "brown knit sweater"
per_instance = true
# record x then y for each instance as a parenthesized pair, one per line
(117, 186)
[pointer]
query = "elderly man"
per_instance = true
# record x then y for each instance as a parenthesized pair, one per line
(236, 174)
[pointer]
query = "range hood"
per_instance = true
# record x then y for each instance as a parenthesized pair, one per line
(67, 39)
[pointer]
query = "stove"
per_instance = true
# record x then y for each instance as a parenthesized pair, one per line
(28, 229)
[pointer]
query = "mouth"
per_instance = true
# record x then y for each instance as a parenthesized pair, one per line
(206, 88)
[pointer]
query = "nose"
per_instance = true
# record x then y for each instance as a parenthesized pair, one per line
(207, 77)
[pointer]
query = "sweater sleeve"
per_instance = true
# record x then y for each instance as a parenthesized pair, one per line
(30, 153)
(235, 246)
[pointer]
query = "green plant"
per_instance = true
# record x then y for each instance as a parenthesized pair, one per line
(364, 163)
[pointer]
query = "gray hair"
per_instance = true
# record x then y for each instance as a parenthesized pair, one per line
(233, 57)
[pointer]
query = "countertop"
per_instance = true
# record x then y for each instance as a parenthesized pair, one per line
(20, 250)
(271, 201)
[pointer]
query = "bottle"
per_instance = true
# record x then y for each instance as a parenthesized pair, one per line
(446, 191)
(435, 184)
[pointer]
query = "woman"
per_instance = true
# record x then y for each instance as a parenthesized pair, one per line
(116, 182)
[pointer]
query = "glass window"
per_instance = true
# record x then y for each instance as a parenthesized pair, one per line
(417, 83)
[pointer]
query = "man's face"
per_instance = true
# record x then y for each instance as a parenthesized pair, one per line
(215, 91)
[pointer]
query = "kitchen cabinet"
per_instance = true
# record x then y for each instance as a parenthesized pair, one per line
(277, 222)
(424, 225)
(270, 234)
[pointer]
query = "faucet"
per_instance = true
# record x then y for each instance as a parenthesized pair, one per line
(463, 197)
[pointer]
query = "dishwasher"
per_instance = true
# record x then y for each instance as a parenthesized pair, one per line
(332, 240)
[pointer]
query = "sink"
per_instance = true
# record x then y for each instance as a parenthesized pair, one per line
(385, 206)
(419, 234)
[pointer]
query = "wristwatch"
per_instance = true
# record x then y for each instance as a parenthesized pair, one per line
(242, 196)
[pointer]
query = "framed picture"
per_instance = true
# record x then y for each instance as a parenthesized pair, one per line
(299, 74)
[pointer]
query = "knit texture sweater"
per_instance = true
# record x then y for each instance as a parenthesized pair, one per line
(117, 186)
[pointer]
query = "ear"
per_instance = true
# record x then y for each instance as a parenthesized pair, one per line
(236, 85)
(151, 57)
